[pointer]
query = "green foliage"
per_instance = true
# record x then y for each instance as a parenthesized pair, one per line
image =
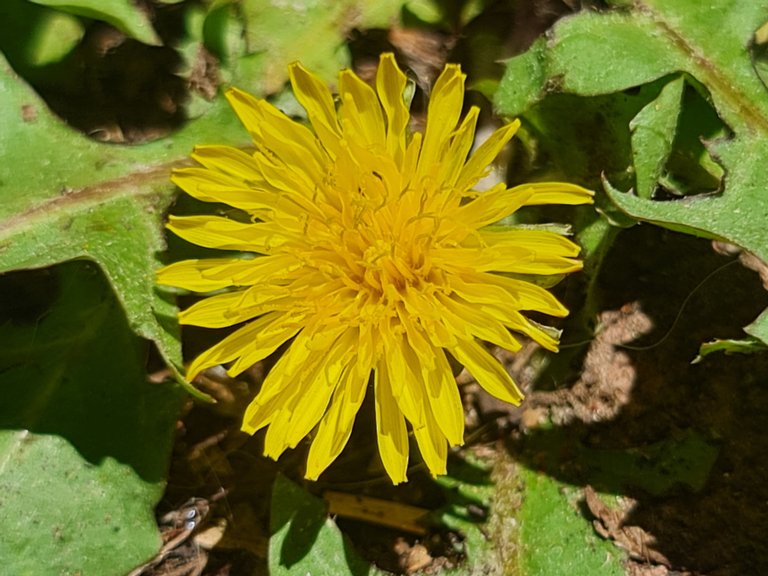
(669, 46)
(467, 487)
(87, 200)
(555, 538)
(730, 346)
(305, 541)
(122, 14)
(84, 437)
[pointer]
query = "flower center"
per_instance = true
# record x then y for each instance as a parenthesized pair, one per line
(377, 256)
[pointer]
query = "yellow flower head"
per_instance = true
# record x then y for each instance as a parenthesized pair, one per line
(373, 254)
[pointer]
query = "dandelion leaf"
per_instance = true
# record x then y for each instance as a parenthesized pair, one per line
(713, 50)
(305, 541)
(84, 437)
(122, 14)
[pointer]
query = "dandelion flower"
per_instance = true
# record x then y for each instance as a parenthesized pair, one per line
(370, 254)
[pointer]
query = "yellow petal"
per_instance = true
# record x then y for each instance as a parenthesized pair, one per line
(279, 387)
(444, 399)
(275, 441)
(428, 312)
(335, 370)
(486, 153)
(443, 113)
(476, 322)
(285, 184)
(366, 352)
(390, 427)
(228, 309)
(492, 205)
(293, 143)
(416, 338)
(266, 342)
(336, 427)
(539, 241)
(316, 99)
(488, 371)
(256, 340)
(460, 260)
(402, 370)
(461, 143)
(210, 186)
(213, 274)
(432, 445)
(556, 193)
(531, 263)
(226, 234)
(360, 112)
(546, 337)
(411, 159)
(204, 275)
(484, 287)
(230, 161)
(390, 85)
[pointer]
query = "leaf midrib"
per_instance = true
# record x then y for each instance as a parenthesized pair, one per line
(714, 79)
(140, 185)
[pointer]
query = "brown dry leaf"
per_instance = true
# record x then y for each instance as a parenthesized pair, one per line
(425, 51)
(377, 511)
(412, 558)
(747, 259)
(609, 523)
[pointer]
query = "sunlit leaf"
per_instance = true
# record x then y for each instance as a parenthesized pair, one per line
(122, 14)
(594, 54)
(305, 541)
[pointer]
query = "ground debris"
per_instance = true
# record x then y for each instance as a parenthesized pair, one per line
(609, 523)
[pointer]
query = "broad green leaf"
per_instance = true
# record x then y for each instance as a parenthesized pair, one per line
(35, 37)
(598, 54)
(305, 541)
(223, 31)
(591, 54)
(759, 328)
(66, 197)
(428, 11)
(653, 131)
(84, 438)
(555, 538)
(122, 14)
